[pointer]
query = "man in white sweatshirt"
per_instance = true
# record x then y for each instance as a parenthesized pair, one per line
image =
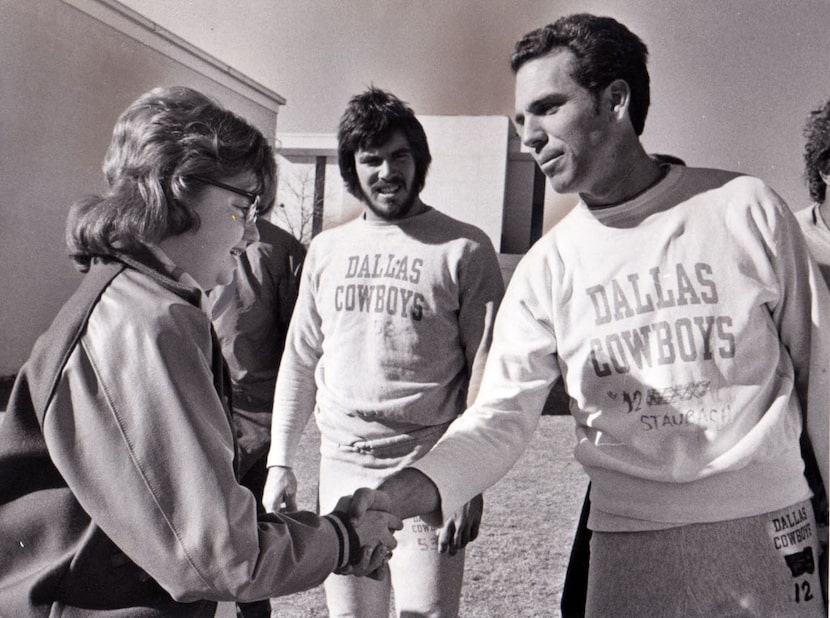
(684, 314)
(387, 340)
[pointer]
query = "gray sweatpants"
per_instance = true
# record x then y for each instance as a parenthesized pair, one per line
(765, 565)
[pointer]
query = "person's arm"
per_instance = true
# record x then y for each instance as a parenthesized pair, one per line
(407, 493)
(294, 398)
(145, 445)
(482, 289)
(482, 444)
(818, 389)
(802, 315)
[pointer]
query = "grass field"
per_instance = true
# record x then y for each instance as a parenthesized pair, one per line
(517, 565)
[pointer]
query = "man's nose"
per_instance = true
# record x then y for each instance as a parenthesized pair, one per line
(386, 169)
(532, 134)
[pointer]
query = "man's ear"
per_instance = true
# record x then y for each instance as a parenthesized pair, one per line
(618, 98)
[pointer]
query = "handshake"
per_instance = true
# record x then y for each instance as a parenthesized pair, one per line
(366, 517)
(371, 527)
(371, 516)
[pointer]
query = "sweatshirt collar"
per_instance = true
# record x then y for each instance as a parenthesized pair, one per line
(642, 203)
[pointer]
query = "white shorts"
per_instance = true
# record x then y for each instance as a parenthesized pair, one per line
(425, 582)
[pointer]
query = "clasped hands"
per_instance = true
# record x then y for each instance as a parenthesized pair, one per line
(374, 524)
(370, 515)
(368, 504)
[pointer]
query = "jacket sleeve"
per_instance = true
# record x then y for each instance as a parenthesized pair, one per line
(296, 390)
(139, 433)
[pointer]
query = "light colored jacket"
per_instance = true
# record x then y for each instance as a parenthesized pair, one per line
(117, 481)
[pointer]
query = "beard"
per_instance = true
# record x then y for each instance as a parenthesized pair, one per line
(391, 211)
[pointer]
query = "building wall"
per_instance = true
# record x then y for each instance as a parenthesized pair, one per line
(468, 175)
(68, 70)
(518, 203)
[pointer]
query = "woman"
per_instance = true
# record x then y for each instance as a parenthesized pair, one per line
(118, 492)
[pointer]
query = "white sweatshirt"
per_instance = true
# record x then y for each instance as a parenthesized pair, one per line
(391, 322)
(681, 322)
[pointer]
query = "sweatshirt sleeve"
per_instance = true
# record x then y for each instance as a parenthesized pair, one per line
(483, 444)
(140, 435)
(802, 315)
(482, 288)
(296, 389)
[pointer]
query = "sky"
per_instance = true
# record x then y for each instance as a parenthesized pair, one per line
(732, 80)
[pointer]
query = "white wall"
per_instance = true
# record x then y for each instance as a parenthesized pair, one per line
(469, 166)
(466, 179)
(68, 70)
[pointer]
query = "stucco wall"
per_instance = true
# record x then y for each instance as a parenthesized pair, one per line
(68, 70)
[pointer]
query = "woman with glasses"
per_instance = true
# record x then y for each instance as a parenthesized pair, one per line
(118, 492)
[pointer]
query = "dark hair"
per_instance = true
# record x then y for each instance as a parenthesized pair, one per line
(158, 144)
(369, 121)
(817, 151)
(604, 49)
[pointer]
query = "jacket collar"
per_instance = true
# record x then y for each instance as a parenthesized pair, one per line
(152, 262)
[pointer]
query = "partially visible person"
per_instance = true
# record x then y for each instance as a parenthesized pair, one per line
(814, 220)
(814, 223)
(388, 339)
(685, 315)
(118, 487)
(251, 316)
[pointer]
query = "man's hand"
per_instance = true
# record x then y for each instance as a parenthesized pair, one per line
(365, 499)
(406, 493)
(462, 527)
(280, 488)
(375, 532)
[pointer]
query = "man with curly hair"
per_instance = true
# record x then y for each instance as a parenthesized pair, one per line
(815, 220)
(814, 223)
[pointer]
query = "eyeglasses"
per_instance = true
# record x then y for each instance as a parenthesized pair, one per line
(252, 211)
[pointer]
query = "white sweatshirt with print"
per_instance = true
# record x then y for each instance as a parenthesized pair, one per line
(686, 324)
(393, 321)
